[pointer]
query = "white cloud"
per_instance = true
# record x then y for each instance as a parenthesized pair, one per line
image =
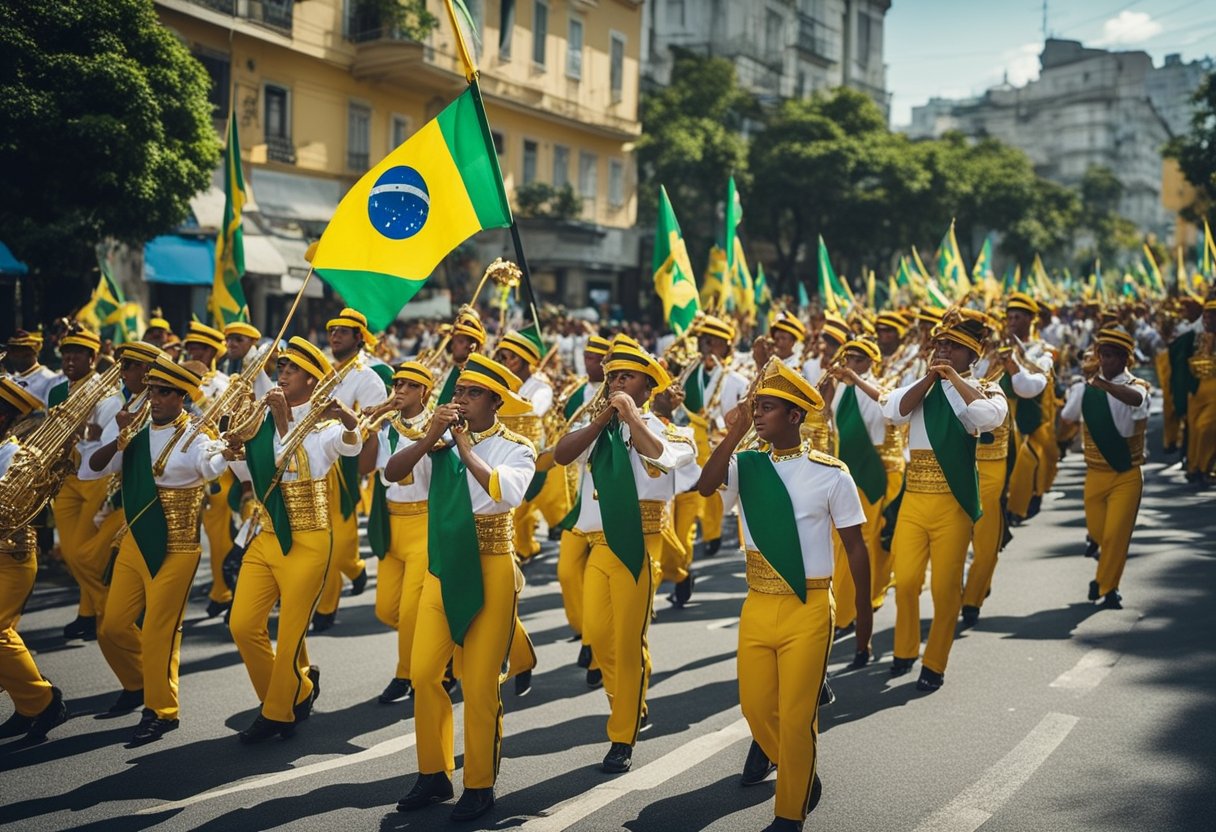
(1128, 27)
(1021, 64)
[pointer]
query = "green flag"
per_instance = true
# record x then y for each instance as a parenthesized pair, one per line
(673, 276)
(833, 294)
(734, 215)
(951, 273)
(227, 303)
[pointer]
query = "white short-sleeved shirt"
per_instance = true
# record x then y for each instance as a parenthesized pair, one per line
(1125, 415)
(986, 413)
(414, 488)
(185, 467)
(362, 387)
(824, 498)
(871, 411)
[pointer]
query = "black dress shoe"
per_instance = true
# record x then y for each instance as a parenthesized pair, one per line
(322, 621)
(826, 695)
(36, 727)
(860, 659)
(816, 795)
(712, 547)
(1036, 503)
(1091, 548)
(929, 680)
(783, 825)
(971, 616)
(395, 691)
(844, 631)
(151, 731)
(523, 683)
(619, 758)
(757, 768)
(127, 701)
(263, 729)
(359, 583)
(901, 666)
(473, 804)
(683, 590)
(428, 789)
(215, 608)
(584, 656)
(15, 726)
(1094, 591)
(595, 678)
(1113, 600)
(314, 676)
(85, 627)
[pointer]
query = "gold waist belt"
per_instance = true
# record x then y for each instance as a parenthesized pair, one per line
(653, 512)
(1094, 458)
(763, 578)
(21, 546)
(1203, 366)
(307, 504)
(183, 508)
(528, 426)
(494, 533)
(998, 448)
(892, 449)
(407, 509)
(925, 475)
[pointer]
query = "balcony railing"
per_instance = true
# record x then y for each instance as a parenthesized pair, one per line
(274, 14)
(280, 149)
(816, 39)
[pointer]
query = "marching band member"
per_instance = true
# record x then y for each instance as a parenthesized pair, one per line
(471, 589)
(792, 497)
(1112, 406)
(628, 482)
(788, 333)
(239, 340)
(163, 485)
(1028, 388)
(467, 337)
(22, 358)
(290, 552)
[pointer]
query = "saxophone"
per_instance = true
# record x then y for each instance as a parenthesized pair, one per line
(235, 403)
(44, 460)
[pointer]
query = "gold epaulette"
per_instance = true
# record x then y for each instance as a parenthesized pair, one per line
(678, 434)
(825, 459)
(511, 436)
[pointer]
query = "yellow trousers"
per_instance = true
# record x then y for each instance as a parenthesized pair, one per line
(1112, 501)
(1171, 427)
(783, 659)
(1201, 428)
(346, 558)
(933, 528)
(217, 525)
(18, 674)
(571, 567)
(987, 532)
(553, 503)
(842, 576)
(1034, 469)
(74, 507)
(685, 510)
(280, 677)
(486, 646)
(399, 583)
(617, 622)
(880, 556)
(711, 517)
(146, 656)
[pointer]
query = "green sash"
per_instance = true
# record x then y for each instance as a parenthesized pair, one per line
(378, 528)
(612, 474)
(856, 449)
(575, 401)
(1095, 410)
(571, 520)
(455, 555)
(1027, 413)
(348, 485)
(1182, 383)
(535, 485)
(259, 456)
(58, 394)
(954, 448)
(449, 386)
(770, 518)
(386, 375)
(142, 508)
(694, 392)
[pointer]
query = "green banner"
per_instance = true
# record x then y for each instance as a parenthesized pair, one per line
(954, 448)
(455, 555)
(856, 449)
(770, 518)
(142, 508)
(1095, 410)
(612, 473)
(259, 456)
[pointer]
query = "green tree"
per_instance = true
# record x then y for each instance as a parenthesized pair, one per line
(1047, 227)
(1114, 237)
(1195, 153)
(408, 19)
(692, 142)
(106, 132)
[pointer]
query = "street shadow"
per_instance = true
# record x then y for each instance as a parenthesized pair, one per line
(700, 808)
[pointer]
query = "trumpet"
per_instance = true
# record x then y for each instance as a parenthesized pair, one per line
(372, 420)
(142, 412)
(234, 402)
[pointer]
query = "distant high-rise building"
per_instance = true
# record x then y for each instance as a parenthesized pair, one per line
(780, 48)
(1171, 86)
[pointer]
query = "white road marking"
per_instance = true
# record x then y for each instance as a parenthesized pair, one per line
(1089, 671)
(383, 749)
(976, 804)
(647, 777)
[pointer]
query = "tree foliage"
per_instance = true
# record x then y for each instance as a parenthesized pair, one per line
(1196, 152)
(106, 132)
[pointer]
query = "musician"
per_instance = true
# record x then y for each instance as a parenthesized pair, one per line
(470, 592)
(946, 411)
(792, 497)
(164, 484)
(1195, 367)
(788, 334)
(1112, 406)
(37, 704)
(1028, 388)
(158, 332)
(818, 427)
(22, 359)
(291, 545)
(397, 525)
(467, 337)
(630, 457)
(349, 341)
(240, 339)
(79, 500)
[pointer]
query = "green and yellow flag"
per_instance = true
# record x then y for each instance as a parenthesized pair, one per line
(227, 304)
(1207, 253)
(713, 283)
(108, 312)
(951, 273)
(673, 276)
(743, 287)
(407, 213)
(734, 216)
(833, 293)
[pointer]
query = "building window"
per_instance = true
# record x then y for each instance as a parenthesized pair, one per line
(587, 178)
(276, 124)
(530, 154)
(675, 12)
(863, 39)
(540, 31)
(358, 136)
(218, 70)
(561, 166)
(500, 142)
(773, 44)
(616, 66)
(506, 28)
(616, 183)
(398, 132)
(574, 49)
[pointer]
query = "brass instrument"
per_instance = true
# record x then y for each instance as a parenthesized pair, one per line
(555, 422)
(142, 412)
(826, 376)
(44, 460)
(371, 422)
(234, 403)
(246, 427)
(750, 440)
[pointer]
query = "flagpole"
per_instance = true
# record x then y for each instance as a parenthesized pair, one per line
(295, 304)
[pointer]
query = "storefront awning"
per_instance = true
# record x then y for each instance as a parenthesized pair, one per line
(182, 261)
(10, 264)
(292, 196)
(262, 258)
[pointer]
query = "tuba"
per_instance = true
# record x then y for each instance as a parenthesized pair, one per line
(44, 460)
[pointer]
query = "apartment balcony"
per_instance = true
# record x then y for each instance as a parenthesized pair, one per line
(276, 15)
(381, 53)
(817, 41)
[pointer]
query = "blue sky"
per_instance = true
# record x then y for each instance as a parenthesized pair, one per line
(956, 48)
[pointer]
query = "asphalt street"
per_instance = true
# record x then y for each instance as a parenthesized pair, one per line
(1055, 715)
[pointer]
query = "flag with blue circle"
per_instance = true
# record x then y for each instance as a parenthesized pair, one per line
(424, 199)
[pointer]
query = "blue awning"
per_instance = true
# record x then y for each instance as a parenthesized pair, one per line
(10, 264)
(184, 261)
